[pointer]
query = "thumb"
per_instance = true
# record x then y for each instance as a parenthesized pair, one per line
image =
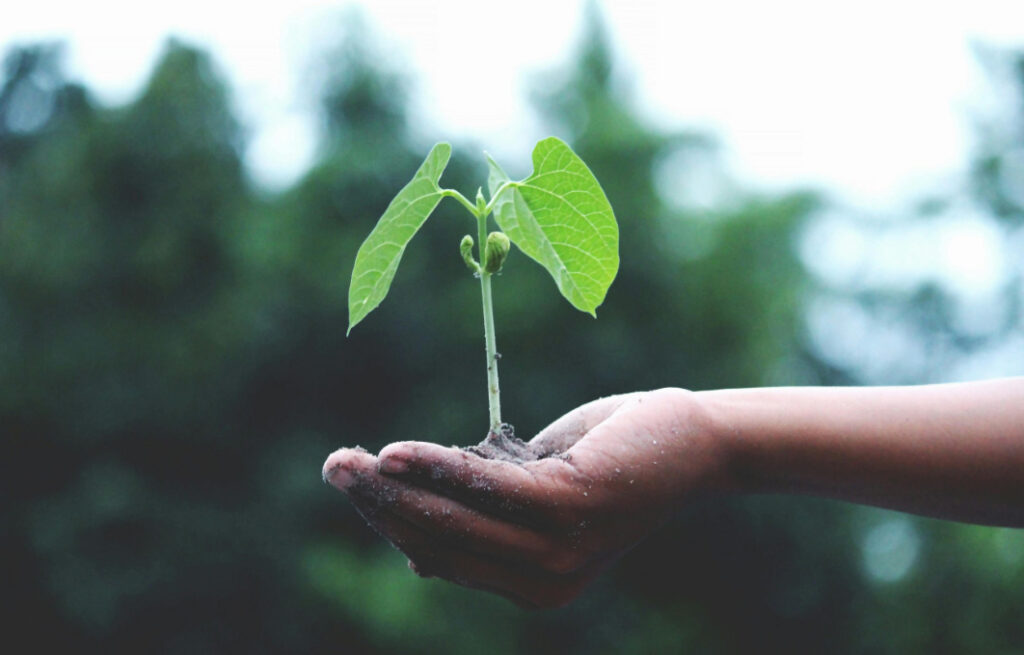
(563, 433)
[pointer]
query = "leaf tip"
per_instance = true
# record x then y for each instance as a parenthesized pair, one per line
(444, 150)
(550, 141)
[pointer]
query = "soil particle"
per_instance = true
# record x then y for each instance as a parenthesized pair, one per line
(505, 446)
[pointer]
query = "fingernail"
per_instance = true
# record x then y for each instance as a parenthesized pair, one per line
(392, 466)
(337, 476)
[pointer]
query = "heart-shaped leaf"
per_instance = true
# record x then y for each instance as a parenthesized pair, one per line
(560, 217)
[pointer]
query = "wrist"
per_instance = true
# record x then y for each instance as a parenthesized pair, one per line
(705, 448)
(723, 414)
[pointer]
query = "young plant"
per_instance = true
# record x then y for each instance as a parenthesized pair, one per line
(559, 216)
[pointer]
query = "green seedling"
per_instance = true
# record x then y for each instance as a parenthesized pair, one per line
(559, 216)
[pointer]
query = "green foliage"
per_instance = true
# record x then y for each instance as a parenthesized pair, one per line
(379, 256)
(560, 217)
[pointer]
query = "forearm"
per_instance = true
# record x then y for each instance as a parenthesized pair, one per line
(952, 451)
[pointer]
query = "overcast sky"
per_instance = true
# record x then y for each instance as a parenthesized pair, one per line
(870, 100)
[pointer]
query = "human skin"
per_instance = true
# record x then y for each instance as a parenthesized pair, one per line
(538, 532)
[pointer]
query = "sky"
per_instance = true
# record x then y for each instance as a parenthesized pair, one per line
(870, 101)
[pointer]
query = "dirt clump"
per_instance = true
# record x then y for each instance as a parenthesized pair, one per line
(505, 446)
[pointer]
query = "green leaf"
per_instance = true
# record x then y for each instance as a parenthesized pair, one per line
(378, 257)
(560, 217)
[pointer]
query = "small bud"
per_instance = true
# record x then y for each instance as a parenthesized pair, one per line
(497, 250)
(481, 204)
(466, 248)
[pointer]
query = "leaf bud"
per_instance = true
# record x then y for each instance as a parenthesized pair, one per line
(481, 204)
(466, 248)
(496, 251)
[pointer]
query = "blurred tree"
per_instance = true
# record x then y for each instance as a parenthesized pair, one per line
(123, 350)
(998, 167)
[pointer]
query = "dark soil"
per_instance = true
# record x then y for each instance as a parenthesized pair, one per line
(507, 447)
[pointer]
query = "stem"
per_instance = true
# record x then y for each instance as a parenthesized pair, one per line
(497, 193)
(481, 212)
(493, 395)
(452, 193)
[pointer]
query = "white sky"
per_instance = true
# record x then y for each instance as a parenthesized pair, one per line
(870, 100)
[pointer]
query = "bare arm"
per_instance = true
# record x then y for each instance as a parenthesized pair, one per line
(538, 532)
(953, 451)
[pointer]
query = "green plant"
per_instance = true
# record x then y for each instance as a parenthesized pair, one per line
(559, 216)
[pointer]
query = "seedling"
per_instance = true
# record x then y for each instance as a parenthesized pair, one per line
(559, 216)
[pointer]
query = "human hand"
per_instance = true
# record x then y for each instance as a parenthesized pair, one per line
(539, 531)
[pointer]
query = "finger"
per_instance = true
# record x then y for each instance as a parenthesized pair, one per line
(425, 553)
(346, 465)
(527, 494)
(406, 537)
(528, 589)
(526, 586)
(560, 435)
(449, 521)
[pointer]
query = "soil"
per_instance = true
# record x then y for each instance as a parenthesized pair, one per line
(507, 447)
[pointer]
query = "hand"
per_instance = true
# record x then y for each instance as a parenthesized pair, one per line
(538, 532)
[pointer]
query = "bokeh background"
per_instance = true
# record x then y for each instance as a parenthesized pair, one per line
(174, 367)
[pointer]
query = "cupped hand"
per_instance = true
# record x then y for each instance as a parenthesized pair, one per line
(537, 532)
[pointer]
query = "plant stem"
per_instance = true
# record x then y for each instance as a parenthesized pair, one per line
(497, 194)
(452, 193)
(493, 395)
